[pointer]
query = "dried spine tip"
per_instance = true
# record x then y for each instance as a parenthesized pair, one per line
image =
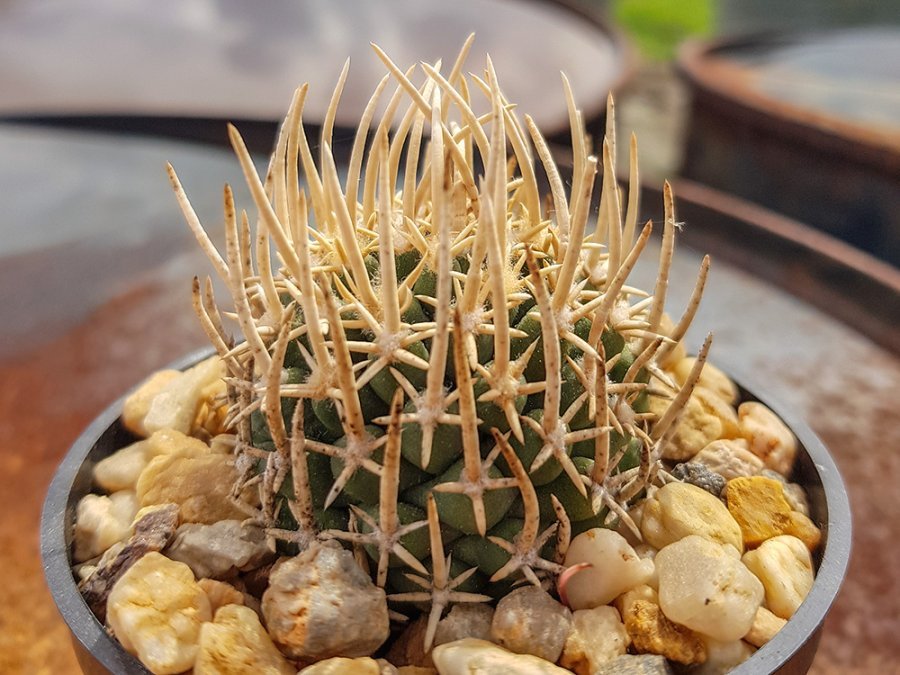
(398, 344)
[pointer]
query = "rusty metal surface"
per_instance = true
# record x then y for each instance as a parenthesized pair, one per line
(62, 373)
(807, 125)
(846, 283)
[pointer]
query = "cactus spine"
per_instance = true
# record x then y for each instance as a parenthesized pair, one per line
(449, 378)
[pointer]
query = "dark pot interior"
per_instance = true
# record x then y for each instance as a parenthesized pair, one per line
(790, 652)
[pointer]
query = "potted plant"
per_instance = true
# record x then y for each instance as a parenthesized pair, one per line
(378, 407)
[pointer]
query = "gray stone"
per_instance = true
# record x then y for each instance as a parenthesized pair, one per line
(320, 604)
(699, 475)
(467, 620)
(530, 621)
(640, 664)
(214, 551)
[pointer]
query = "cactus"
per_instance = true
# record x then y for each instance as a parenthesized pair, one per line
(452, 370)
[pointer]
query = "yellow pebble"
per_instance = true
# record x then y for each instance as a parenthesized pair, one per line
(652, 633)
(759, 507)
(156, 610)
(201, 486)
(172, 442)
(678, 510)
(235, 643)
(340, 665)
(220, 593)
(805, 530)
(785, 568)
(703, 420)
(710, 377)
(765, 626)
(625, 602)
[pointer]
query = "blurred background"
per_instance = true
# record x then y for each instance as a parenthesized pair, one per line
(778, 124)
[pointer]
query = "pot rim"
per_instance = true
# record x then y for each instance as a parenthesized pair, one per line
(802, 628)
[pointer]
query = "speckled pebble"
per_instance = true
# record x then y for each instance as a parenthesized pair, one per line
(320, 604)
(770, 438)
(698, 474)
(465, 620)
(636, 664)
(652, 633)
(529, 621)
(236, 642)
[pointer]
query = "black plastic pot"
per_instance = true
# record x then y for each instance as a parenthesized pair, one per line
(790, 652)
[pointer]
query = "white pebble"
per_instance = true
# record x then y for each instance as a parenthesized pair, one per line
(121, 469)
(769, 437)
(616, 568)
(765, 626)
(102, 521)
(175, 405)
(705, 588)
(721, 657)
(137, 403)
(156, 610)
(730, 458)
(784, 567)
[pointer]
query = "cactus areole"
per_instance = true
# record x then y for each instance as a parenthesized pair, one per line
(438, 365)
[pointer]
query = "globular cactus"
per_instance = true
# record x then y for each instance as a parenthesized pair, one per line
(449, 377)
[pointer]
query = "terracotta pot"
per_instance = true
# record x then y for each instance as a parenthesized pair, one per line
(791, 651)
